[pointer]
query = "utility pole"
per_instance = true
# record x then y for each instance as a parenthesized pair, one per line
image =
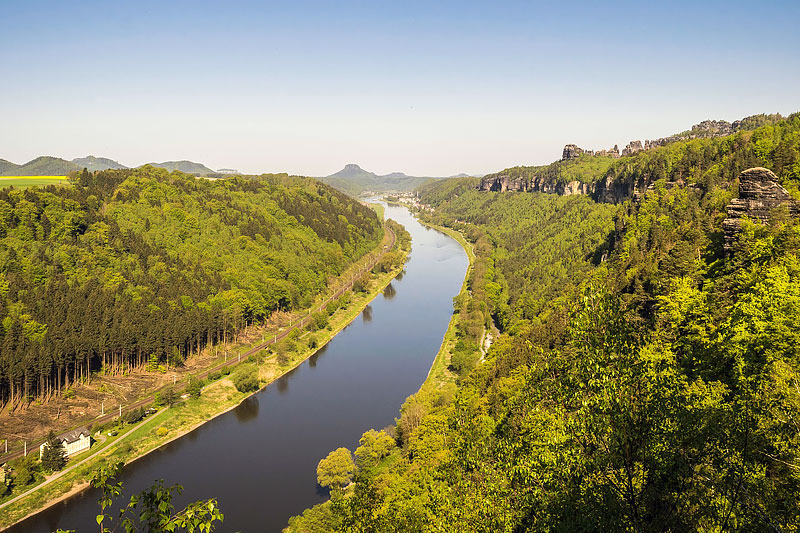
(120, 410)
(26, 449)
(6, 445)
(102, 408)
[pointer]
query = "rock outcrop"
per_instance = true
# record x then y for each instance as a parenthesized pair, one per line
(632, 148)
(571, 151)
(759, 195)
(504, 182)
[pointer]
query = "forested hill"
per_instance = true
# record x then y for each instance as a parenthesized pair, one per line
(766, 140)
(648, 373)
(129, 265)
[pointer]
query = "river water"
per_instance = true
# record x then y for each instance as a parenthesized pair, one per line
(259, 460)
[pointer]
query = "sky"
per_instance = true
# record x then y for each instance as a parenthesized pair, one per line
(428, 88)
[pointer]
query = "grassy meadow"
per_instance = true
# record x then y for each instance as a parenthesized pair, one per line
(22, 182)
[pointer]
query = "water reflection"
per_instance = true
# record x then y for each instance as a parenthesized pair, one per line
(389, 292)
(312, 361)
(247, 410)
(283, 384)
(399, 276)
(366, 314)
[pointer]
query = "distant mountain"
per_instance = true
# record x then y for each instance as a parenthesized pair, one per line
(189, 167)
(93, 163)
(41, 166)
(8, 167)
(354, 180)
(353, 172)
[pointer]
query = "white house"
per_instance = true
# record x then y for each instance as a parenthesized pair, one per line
(75, 441)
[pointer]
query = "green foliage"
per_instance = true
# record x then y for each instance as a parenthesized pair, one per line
(165, 397)
(151, 509)
(336, 470)
(375, 445)
(464, 357)
(245, 379)
(361, 284)
(143, 267)
(133, 416)
(194, 386)
(646, 381)
(25, 470)
(320, 320)
(54, 456)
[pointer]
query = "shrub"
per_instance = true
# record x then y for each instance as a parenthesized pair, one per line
(161, 431)
(320, 320)
(283, 358)
(194, 387)
(312, 342)
(246, 379)
(133, 416)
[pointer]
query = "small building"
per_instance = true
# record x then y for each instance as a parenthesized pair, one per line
(75, 441)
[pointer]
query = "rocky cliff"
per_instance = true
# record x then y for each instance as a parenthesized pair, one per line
(503, 182)
(760, 195)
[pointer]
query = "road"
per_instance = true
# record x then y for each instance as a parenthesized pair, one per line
(181, 385)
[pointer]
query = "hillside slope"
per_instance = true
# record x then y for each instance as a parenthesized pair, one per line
(42, 166)
(92, 163)
(188, 167)
(647, 374)
(130, 267)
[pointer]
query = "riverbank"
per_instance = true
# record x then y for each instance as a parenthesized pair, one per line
(439, 376)
(218, 397)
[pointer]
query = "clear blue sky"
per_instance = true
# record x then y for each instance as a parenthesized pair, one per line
(428, 88)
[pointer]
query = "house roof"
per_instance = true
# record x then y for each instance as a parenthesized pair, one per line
(75, 434)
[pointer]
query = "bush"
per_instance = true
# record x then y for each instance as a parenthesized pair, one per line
(361, 284)
(161, 431)
(246, 379)
(133, 416)
(465, 357)
(283, 358)
(214, 376)
(312, 342)
(166, 397)
(320, 320)
(194, 387)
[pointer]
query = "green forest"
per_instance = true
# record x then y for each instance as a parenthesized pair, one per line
(646, 378)
(129, 267)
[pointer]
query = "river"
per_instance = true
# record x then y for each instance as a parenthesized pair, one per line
(259, 460)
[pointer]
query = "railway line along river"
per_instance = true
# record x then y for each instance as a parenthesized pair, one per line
(259, 460)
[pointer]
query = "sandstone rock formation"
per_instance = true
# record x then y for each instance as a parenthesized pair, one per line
(759, 195)
(503, 183)
(571, 151)
(632, 148)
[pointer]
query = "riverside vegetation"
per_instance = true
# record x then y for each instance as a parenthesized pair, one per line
(647, 377)
(135, 434)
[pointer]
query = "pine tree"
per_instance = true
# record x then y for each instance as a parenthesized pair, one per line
(54, 457)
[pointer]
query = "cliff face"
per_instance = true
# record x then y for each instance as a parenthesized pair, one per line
(759, 195)
(503, 183)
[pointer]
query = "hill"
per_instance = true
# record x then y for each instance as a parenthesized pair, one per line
(645, 373)
(42, 166)
(169, 263)
(354, 180)
(8, 167)
(188, 167)
(93, 163)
